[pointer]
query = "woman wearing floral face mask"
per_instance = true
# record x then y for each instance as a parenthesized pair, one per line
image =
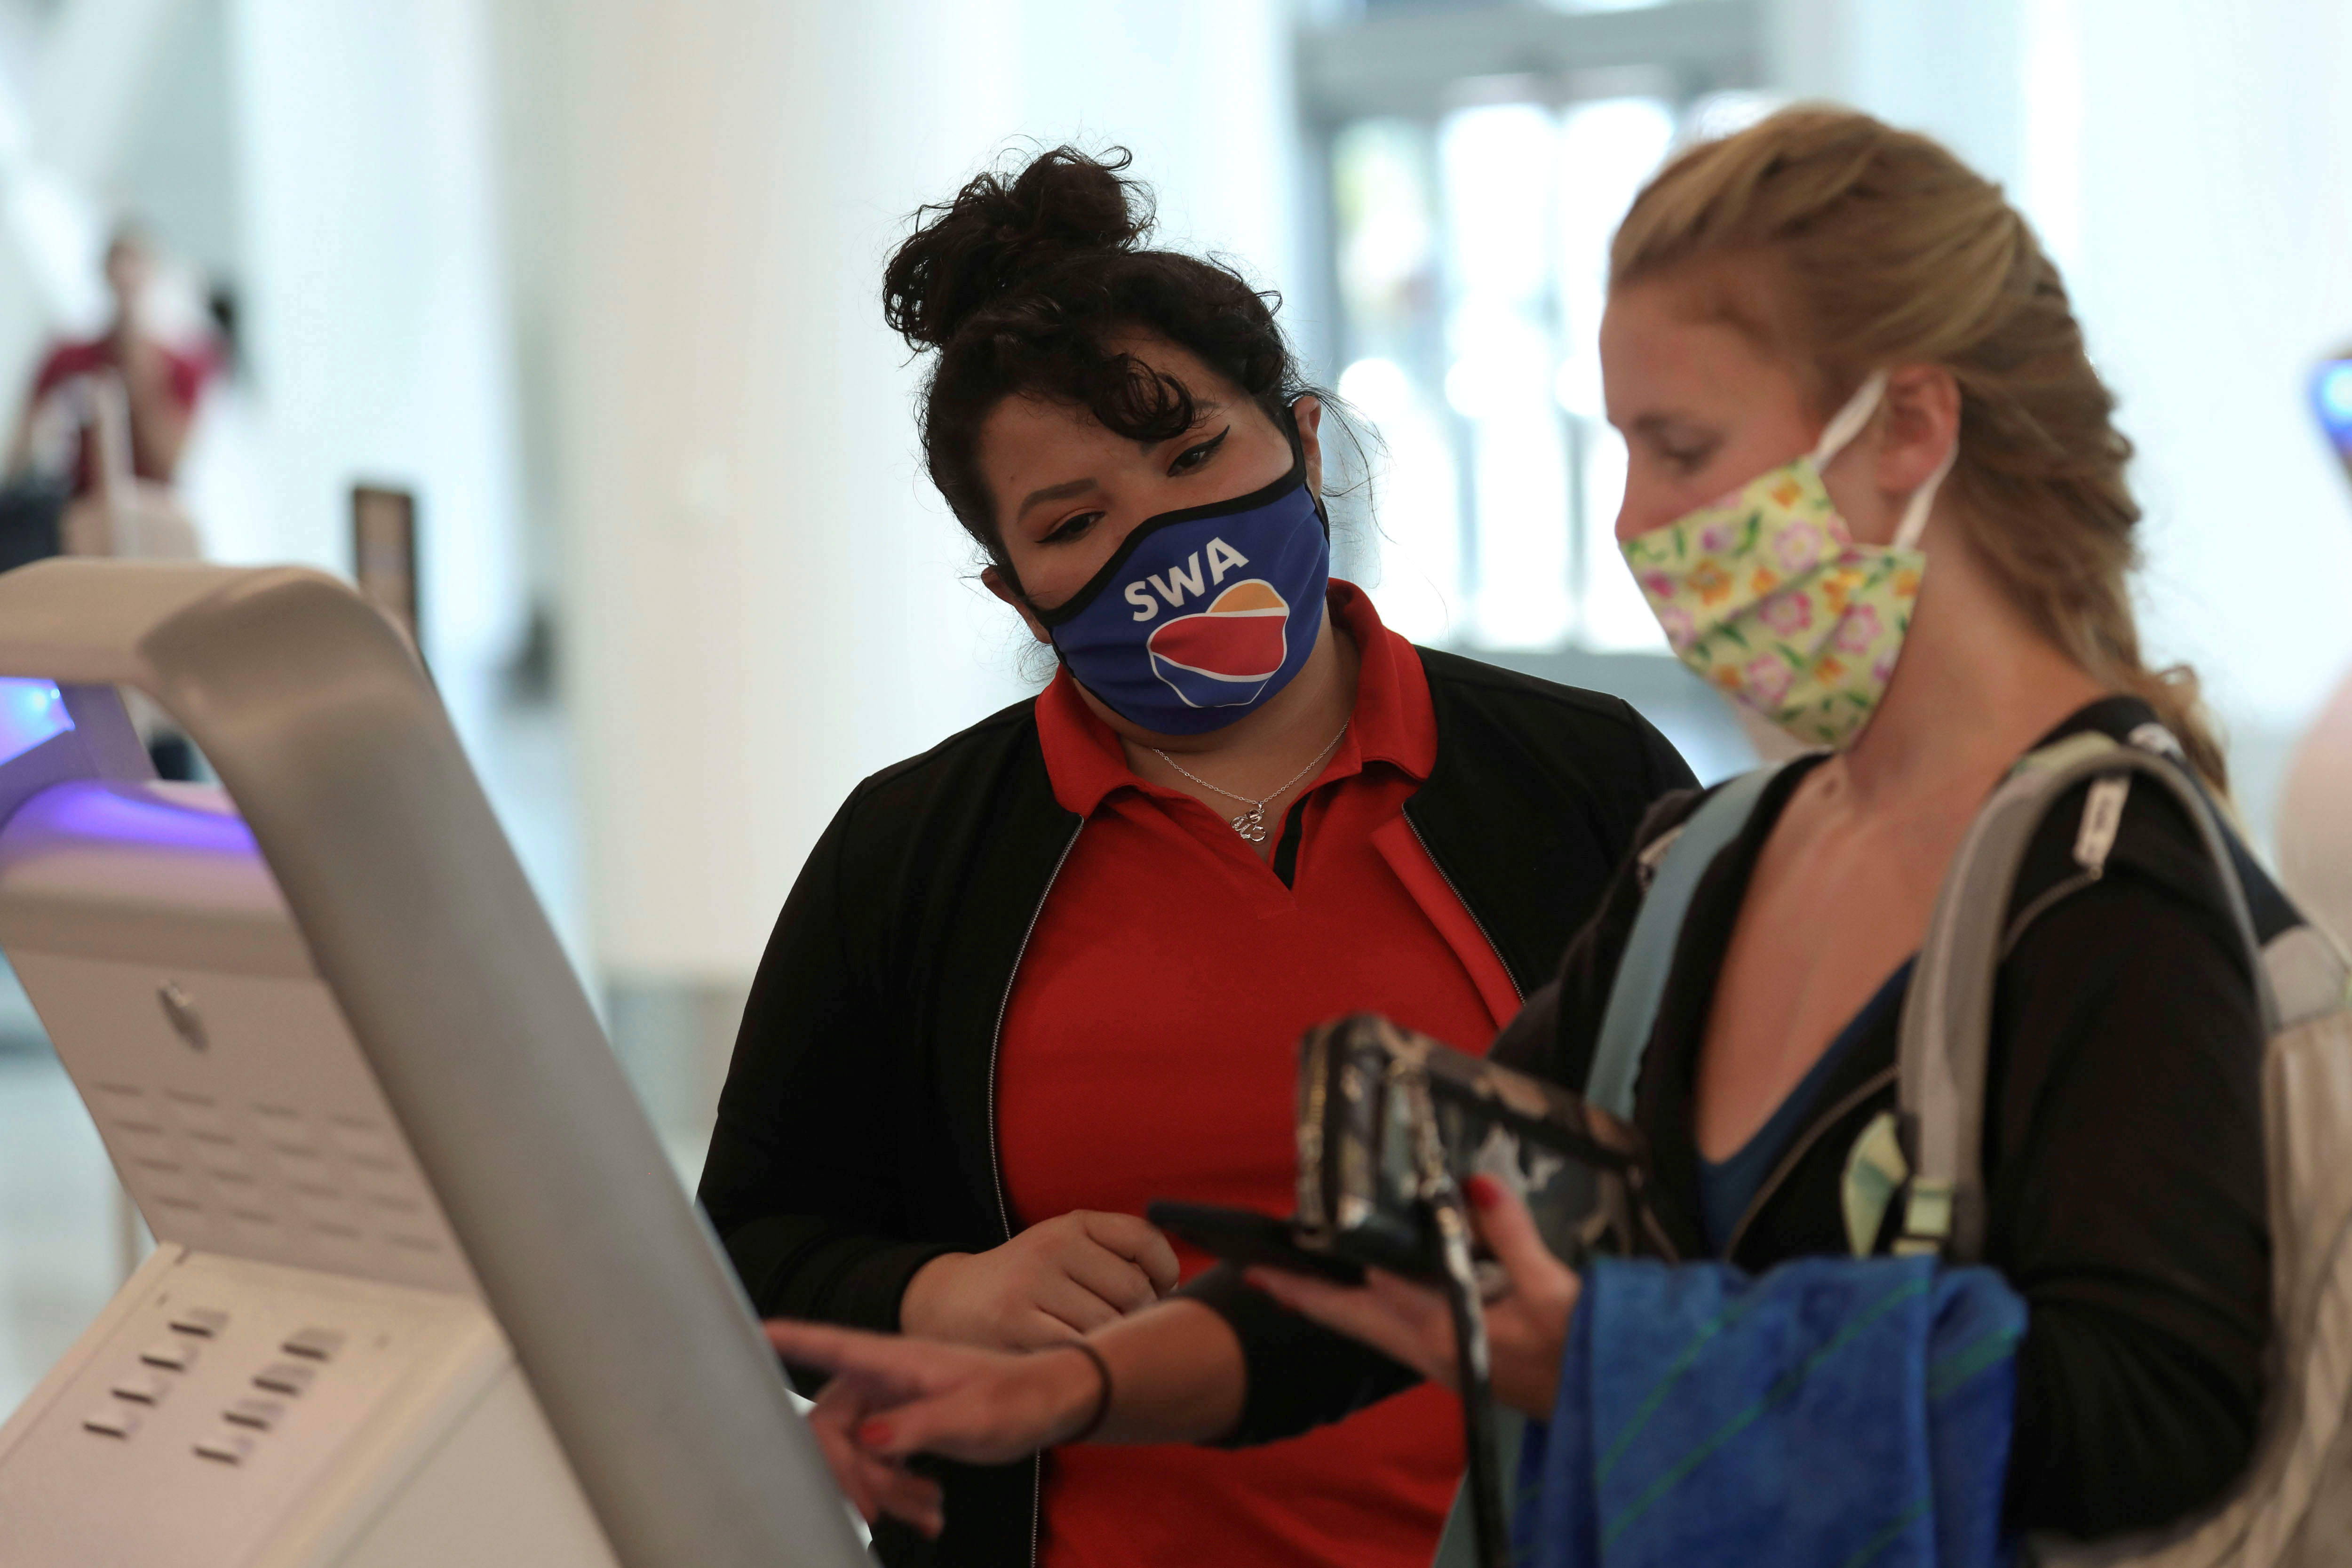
(1875, 493)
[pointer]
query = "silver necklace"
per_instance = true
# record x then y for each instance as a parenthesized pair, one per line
(1251, 824)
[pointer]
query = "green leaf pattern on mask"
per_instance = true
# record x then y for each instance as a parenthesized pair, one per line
(1766, 594)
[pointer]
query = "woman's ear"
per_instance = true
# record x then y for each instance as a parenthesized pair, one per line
(1922, 421)
(1308, 414)
(993, 581)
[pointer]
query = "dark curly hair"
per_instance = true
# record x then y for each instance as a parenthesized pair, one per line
(1019, 282)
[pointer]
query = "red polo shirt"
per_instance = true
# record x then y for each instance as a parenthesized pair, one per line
(1150, 1051)
(185, 376)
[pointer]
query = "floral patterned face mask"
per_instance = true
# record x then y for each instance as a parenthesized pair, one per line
(1767, 593)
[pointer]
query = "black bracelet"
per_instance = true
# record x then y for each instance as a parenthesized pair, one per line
(1102, 1400)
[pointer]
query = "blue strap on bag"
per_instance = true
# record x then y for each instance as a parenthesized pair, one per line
(1681, 858)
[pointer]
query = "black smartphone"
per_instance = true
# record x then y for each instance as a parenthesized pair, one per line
(1246, 1236)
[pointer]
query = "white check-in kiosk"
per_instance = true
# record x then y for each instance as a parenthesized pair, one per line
(425, 1292)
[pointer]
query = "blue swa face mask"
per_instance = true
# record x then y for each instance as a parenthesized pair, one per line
(1203, 613)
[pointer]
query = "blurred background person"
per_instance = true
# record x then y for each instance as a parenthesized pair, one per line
(98, 443)
(161, 380)
(107, 420)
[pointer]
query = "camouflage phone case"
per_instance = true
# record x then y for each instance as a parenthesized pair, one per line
(1363, 1082)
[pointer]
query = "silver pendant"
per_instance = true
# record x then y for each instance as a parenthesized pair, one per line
(1251, 825)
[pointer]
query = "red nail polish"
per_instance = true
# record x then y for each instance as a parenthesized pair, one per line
(1483, 1192)
(875, 1434)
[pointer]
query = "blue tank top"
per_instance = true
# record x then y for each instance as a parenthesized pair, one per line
(1727, 1187)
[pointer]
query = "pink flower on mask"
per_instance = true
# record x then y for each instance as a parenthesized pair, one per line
(1675, 622)
(1858, 630)
(1718, 539)
(1787, 613)
(1798, 547)
(1657, 584)
(1768, 679)
(1883, 671)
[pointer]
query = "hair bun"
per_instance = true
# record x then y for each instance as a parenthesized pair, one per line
(981, 245)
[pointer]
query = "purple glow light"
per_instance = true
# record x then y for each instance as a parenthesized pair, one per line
(134, 814)
(31, 711)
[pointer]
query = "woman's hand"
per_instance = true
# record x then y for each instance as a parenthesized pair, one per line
(1526, 1327)
(890, 1397)
(1052, 1282)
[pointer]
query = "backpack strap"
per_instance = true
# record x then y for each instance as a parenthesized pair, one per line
(1947, 1011)
(1677, 859)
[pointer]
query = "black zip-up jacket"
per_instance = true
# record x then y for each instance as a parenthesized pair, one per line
(856, 1131)
(2123, 1155)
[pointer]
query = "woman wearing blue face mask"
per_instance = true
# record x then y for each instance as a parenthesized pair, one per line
(1056, 967)
(1875, 492)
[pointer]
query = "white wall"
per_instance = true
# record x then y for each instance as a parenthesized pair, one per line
(2212, 256)
(377, 323)
(764, 601)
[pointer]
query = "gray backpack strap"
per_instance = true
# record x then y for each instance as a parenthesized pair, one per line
(1947, 1012)
(1678, 858)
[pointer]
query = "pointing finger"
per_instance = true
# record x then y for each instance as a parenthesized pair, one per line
(815, 1344)
(885, 1362)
